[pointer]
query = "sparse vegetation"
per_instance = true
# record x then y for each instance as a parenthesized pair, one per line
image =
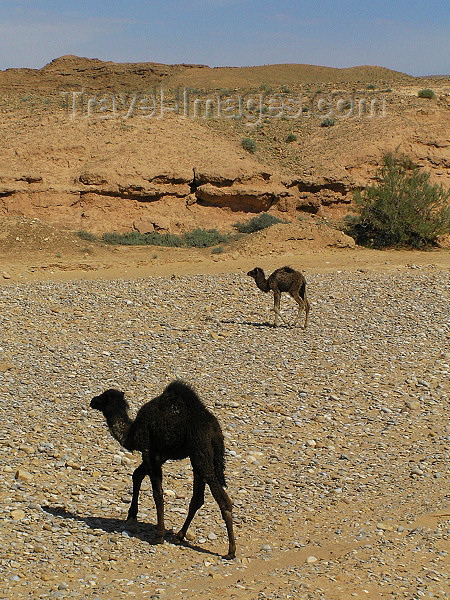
(249, 144)
(402, 210)
(204, 238)
(327, 122)
(371, 86)
(86, 236)
(291, 138)
(426, 93)
(261, 221)
(198, 238)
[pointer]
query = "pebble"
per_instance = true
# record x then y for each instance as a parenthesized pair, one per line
(23, 475)
(416, 471)
(412, 404)
(311, 559)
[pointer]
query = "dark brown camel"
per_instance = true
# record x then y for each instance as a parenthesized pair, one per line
(287, 280)
(174, 425)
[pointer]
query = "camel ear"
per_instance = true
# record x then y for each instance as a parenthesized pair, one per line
(118, 397)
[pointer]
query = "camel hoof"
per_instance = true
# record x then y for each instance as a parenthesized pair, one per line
(132, 523)
(229, 556)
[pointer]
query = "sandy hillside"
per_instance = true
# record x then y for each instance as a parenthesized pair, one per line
(93, 145)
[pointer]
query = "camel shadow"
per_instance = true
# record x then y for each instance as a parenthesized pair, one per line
(142, 531)
(259, 324)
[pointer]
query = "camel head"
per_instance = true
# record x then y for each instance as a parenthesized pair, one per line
(110, 401)
(256, 272)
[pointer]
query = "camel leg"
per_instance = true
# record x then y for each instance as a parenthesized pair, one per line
(303, 304)
(306, 311)
(156, 479)
(225, 505)
(197, 500)
(276, 307)
(138, 477)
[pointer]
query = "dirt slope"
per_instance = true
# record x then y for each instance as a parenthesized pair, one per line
(131, 152)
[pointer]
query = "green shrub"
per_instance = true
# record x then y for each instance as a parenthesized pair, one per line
(249, 145)
(218, 250)
(257, 223)
(291, 138)
(199, 238)
(134, 238)
(85, 235)
(426, 93)
(402, 210)
(203, 238)
(371, 86)
(327, 122)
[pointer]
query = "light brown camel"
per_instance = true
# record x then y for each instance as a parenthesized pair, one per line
(287, 280)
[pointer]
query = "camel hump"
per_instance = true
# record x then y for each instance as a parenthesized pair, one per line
(181, 390)
(288, 269)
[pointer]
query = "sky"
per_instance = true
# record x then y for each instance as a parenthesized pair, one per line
(411, 36)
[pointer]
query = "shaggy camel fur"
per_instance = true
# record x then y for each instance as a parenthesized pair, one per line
(174, 425)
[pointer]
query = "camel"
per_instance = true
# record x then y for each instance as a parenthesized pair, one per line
(174, 425)
(281, 280)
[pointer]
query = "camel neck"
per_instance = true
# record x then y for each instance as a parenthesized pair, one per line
(119, 425)
(262, 283)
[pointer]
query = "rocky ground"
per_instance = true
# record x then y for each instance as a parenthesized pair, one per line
(337, 437)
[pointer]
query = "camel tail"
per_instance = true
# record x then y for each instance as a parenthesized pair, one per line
(219, 460)
(302, 290)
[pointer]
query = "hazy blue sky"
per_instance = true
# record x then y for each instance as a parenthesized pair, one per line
(412, 36)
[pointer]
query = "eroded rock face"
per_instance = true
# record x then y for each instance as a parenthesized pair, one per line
(93, 193)
(241, 197)
(238, 192)
(146, 189)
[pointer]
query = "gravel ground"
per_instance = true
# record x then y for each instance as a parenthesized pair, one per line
(337, 438)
